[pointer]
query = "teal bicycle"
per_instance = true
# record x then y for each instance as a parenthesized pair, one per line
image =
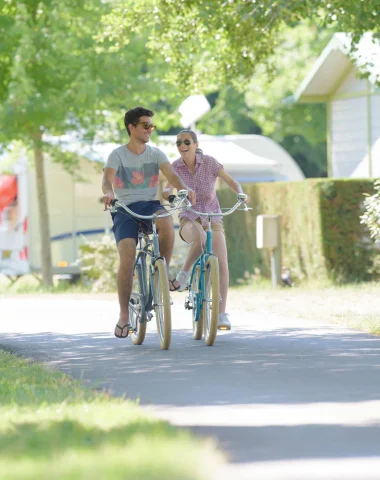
(204, 296)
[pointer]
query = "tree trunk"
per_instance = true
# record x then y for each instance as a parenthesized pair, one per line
(43, 211)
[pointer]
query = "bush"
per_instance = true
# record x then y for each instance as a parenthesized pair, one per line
(99, 261)
(321, 233)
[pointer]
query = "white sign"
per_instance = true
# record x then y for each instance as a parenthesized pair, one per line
(192, 109)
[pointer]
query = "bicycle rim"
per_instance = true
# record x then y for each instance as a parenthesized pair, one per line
(162, 308)
(210, 307)
(136, 309)
(193, 294)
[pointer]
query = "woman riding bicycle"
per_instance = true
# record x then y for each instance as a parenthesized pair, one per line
(200, 173)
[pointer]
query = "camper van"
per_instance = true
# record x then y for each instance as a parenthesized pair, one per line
(76, 216)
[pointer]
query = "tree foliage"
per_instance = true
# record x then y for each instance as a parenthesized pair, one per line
(258, 106)
(57, 75)
(215, 41)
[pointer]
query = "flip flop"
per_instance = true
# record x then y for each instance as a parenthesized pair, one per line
(172, 284)
(122, 330)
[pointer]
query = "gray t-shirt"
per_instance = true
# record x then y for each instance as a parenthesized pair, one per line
(137, 175)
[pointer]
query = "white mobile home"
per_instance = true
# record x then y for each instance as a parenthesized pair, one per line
(353, 105)
(75, 215)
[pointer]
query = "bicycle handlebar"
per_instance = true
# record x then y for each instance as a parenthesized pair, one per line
(242, 197)
(116, 203)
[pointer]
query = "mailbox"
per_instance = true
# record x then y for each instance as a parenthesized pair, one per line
(267, 231)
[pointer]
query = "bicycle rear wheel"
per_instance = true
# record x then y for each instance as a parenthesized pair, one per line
(193, 294)
(137, 315)
(210, 307)
(162, 307)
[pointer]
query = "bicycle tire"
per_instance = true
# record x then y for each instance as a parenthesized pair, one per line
(162, 308)
(193, 294)
(210, 306)
(136, 309)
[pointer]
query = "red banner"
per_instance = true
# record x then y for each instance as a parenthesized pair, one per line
(8, 190)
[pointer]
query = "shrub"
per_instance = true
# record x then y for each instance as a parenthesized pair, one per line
(321, 233)
(99, 261)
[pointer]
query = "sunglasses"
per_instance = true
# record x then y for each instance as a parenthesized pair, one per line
(186, 142)
(146, 125)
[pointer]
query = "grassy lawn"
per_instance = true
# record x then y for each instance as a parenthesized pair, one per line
(53, 428)
(356, 306)
(30, 284)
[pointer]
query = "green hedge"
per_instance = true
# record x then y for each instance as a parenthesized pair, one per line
(322, 236)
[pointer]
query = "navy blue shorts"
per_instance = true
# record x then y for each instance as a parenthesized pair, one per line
(126, 226)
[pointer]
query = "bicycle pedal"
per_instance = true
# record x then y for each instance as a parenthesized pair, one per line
(188, 305)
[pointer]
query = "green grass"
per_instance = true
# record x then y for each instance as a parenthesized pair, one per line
(28, 284)
(52, 427)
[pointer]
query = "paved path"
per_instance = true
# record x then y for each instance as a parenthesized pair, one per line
(285, 399)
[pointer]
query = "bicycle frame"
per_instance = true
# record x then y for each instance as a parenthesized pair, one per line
(150, 249)
(201, 262)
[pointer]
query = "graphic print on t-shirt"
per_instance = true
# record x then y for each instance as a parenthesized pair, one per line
(145, 177)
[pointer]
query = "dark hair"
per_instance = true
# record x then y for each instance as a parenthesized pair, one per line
(133, 116)
(193, 136)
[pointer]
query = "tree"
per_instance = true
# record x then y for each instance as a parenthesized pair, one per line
(57, 74)
(229, 114)
(220, 41)
(299, 128)
(258, 106)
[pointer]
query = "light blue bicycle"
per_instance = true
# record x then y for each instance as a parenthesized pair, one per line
(150, 288)
(204, 295)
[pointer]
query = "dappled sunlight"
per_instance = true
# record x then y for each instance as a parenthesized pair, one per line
(286, 365)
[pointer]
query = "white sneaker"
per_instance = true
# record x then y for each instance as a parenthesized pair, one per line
(182, 278)
(224, 322)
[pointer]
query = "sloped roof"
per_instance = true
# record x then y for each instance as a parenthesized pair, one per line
(226, 152)
(333, 65)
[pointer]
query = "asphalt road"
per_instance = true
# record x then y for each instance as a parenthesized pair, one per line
(285, 399)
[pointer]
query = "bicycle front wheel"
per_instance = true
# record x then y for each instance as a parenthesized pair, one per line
(193, 294)
(210, 307)
(137, 315)
(162, 308)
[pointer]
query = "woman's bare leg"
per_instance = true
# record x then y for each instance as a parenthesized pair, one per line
(193, 234)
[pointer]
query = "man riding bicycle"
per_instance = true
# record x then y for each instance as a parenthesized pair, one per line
(131, 175)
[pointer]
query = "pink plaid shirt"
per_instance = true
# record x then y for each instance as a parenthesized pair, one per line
(203, 183)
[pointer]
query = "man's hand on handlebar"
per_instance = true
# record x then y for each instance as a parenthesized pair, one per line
(108, 197)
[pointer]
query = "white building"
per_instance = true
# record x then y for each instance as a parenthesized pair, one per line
(353, 105)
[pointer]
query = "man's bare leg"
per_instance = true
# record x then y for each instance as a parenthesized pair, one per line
(127, 252)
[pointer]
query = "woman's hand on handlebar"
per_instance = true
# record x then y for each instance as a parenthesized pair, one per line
(242, 197)
(191, 195)
(107, 199)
